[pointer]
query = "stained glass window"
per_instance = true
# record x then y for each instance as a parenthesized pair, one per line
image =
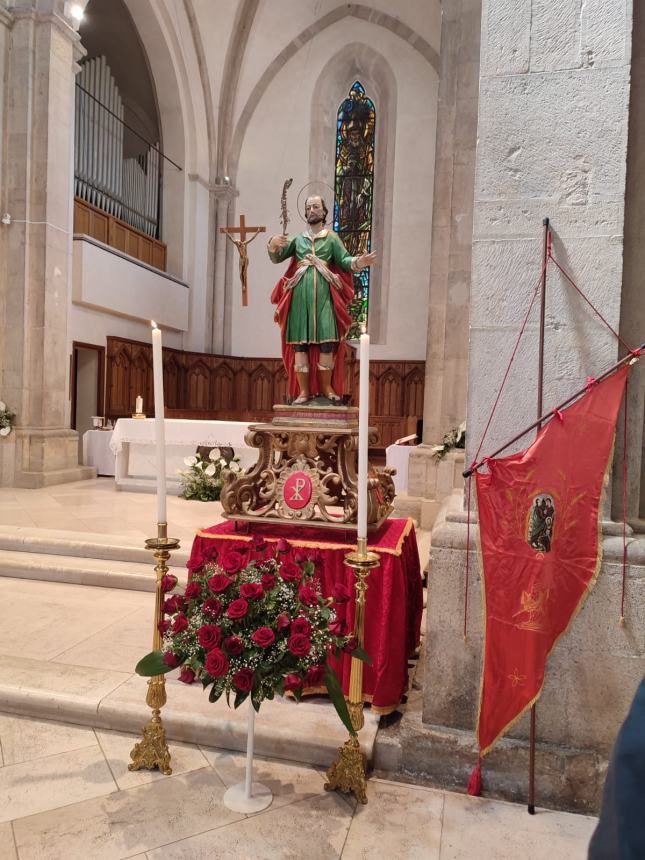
(354, 189)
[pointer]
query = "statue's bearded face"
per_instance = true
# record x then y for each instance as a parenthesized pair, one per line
(315, 210)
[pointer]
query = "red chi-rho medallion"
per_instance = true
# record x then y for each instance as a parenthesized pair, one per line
(297, 490)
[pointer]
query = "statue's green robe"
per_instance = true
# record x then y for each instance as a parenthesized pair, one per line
(311, 314)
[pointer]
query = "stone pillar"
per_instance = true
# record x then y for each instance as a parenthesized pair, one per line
(552, 141)
(224, 193)
(34, 282)
(447, 351)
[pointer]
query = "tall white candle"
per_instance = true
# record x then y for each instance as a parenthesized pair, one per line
(160, 436)
(363, 428)
(139, 405)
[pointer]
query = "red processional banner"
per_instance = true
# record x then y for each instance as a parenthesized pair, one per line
(540, 548)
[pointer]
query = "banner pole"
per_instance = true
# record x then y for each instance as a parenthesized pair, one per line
(540, 390)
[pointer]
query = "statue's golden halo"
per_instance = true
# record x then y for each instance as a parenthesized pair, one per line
(317, 188)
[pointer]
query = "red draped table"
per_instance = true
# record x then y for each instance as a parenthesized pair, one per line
(394, 601)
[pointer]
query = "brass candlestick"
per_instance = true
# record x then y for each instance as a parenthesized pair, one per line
(152, 751)
(348, 771)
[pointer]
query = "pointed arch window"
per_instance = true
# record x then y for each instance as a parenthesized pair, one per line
(354, 189)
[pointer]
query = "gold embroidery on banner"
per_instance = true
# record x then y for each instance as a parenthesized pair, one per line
(533, 606)
(516, 679)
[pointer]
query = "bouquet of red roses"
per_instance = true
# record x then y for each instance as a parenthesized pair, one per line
(260, 631)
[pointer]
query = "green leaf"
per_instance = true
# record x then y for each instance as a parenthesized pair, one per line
(239, 698)
(360, 654)
(256, 705)
(214, 694)
(152, 664)
(338, 699)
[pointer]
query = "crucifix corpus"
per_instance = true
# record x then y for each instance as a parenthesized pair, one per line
(241, 245)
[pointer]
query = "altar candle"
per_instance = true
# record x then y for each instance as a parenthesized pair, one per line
(139, 405)
(160, 436)
(363, 427)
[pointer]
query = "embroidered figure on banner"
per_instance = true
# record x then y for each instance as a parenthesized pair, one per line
(540, 526)
(533, 606)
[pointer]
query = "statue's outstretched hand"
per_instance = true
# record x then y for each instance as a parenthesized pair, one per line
(365, 260)
(276, 243)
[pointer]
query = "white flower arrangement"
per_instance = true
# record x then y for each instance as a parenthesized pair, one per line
(456, 438)
(204, 478)
(6, 419)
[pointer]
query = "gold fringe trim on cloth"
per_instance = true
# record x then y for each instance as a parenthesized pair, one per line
(580, 604)
(308, 544)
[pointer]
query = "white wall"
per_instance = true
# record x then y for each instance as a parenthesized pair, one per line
(277, 145)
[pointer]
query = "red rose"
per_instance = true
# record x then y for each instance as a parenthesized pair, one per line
(193, 590)
(219, 582)
(238, 608)
(338, 628)
(232, 562)
(252, 590)
(290, 571)
(164, 626)
(187, 675)
(299, 645)
(283, 545)
(216, 663)
(300, 557)
(234, 645)
(301, 625)
(170, 659)
(259, 543)
(173, 604)
(209, 635)
(268, 581)
(243, 680)
(282, 621)
(315, 676)
(317, 558)
(212, 606)
(263, 637)
(168, 582)
(180, 623)
(350, 645)
(292, 682)
(341, 593)
(308, 595)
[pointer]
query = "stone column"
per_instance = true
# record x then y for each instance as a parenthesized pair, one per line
(34, 282)
(552, 141)
(224, 193)
(452, 218)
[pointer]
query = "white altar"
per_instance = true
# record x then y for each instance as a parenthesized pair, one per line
(132, 443)
(97, 453)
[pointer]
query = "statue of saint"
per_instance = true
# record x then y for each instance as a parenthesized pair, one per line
(312, 299)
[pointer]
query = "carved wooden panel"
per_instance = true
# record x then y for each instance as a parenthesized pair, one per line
(245, 389)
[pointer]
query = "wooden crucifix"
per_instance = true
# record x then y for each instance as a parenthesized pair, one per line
(241, 245)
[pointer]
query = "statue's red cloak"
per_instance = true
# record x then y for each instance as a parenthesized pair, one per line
(340, 299)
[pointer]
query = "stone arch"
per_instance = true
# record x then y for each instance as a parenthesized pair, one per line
(356, 10)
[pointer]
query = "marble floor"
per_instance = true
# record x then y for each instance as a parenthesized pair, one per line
(65, 791)
(66, 794)
(97, 507)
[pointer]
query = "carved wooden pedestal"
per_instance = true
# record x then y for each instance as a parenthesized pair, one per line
(306, 472)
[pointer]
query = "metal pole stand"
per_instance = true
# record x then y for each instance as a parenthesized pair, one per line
(152, 751)
(348, 771)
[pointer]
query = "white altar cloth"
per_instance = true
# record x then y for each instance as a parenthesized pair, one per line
(96, 451)
(132, 443)
(398, 456)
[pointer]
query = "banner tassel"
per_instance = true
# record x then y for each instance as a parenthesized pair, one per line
(475, 781)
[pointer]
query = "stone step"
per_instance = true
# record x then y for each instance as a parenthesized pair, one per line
(83, 545)
(309, 732)
(106, 573)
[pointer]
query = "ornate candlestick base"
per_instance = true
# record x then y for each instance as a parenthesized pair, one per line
(152, 750)
(348, 771)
